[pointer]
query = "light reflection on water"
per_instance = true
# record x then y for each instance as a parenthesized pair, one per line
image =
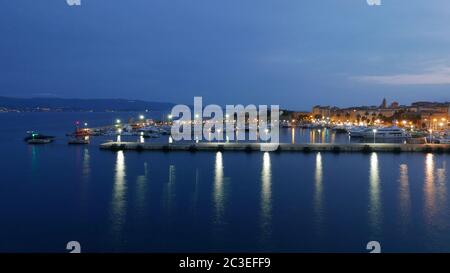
(118, 204)
(218, 193)
(404, 198)
(318, 192)
(266, 197)
(375, 212)
(435, 201)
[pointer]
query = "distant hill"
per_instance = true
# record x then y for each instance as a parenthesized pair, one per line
(95, 105)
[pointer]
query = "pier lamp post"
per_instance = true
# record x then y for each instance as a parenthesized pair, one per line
(431, 135)
(374, 134)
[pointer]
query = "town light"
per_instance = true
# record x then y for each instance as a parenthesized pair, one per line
(374, 134)
(119, 131)
(118, 121)
(141, 117)
(169, 116)
(85, 124)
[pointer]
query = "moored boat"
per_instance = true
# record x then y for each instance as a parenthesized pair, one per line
(386, 133)
(36, 136)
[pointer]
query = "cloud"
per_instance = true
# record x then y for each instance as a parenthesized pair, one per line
(434, 76)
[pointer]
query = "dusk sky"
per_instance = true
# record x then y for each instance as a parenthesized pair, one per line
(296, 53)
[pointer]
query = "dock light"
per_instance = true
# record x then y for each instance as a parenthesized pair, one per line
(119, 131)
(141, 117)
(85, 124)
(374, 133)
(293, 120)
(118, 121)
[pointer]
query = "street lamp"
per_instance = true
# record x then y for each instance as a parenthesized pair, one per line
(141, 117)
(374, 134)
(118, 121)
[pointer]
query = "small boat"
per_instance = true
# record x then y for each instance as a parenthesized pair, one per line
(36, 136)
(40, 141)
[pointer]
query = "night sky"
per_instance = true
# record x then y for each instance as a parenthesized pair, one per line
(296, 53)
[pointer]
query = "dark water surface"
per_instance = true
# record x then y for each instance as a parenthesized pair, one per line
(207, 201)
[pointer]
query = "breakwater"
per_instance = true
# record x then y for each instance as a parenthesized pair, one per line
(282, 147)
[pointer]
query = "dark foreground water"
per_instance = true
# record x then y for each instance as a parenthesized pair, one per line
(231, 201)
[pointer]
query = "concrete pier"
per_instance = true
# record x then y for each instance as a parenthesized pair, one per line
(282, 147)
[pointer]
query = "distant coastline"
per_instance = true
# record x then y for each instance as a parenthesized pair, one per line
(11, 104)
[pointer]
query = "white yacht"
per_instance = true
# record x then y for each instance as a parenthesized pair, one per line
(357, 131)
(386, 133)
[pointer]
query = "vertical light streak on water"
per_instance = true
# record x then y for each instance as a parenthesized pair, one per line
(429, 190)
(374, 196)
(141, 189)
(118, 203)
(405, 198)
(293, 135)
(318, 192)
(86, 170)
(218, 193)
(442, 185)
(266, 197)
(85, 174)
